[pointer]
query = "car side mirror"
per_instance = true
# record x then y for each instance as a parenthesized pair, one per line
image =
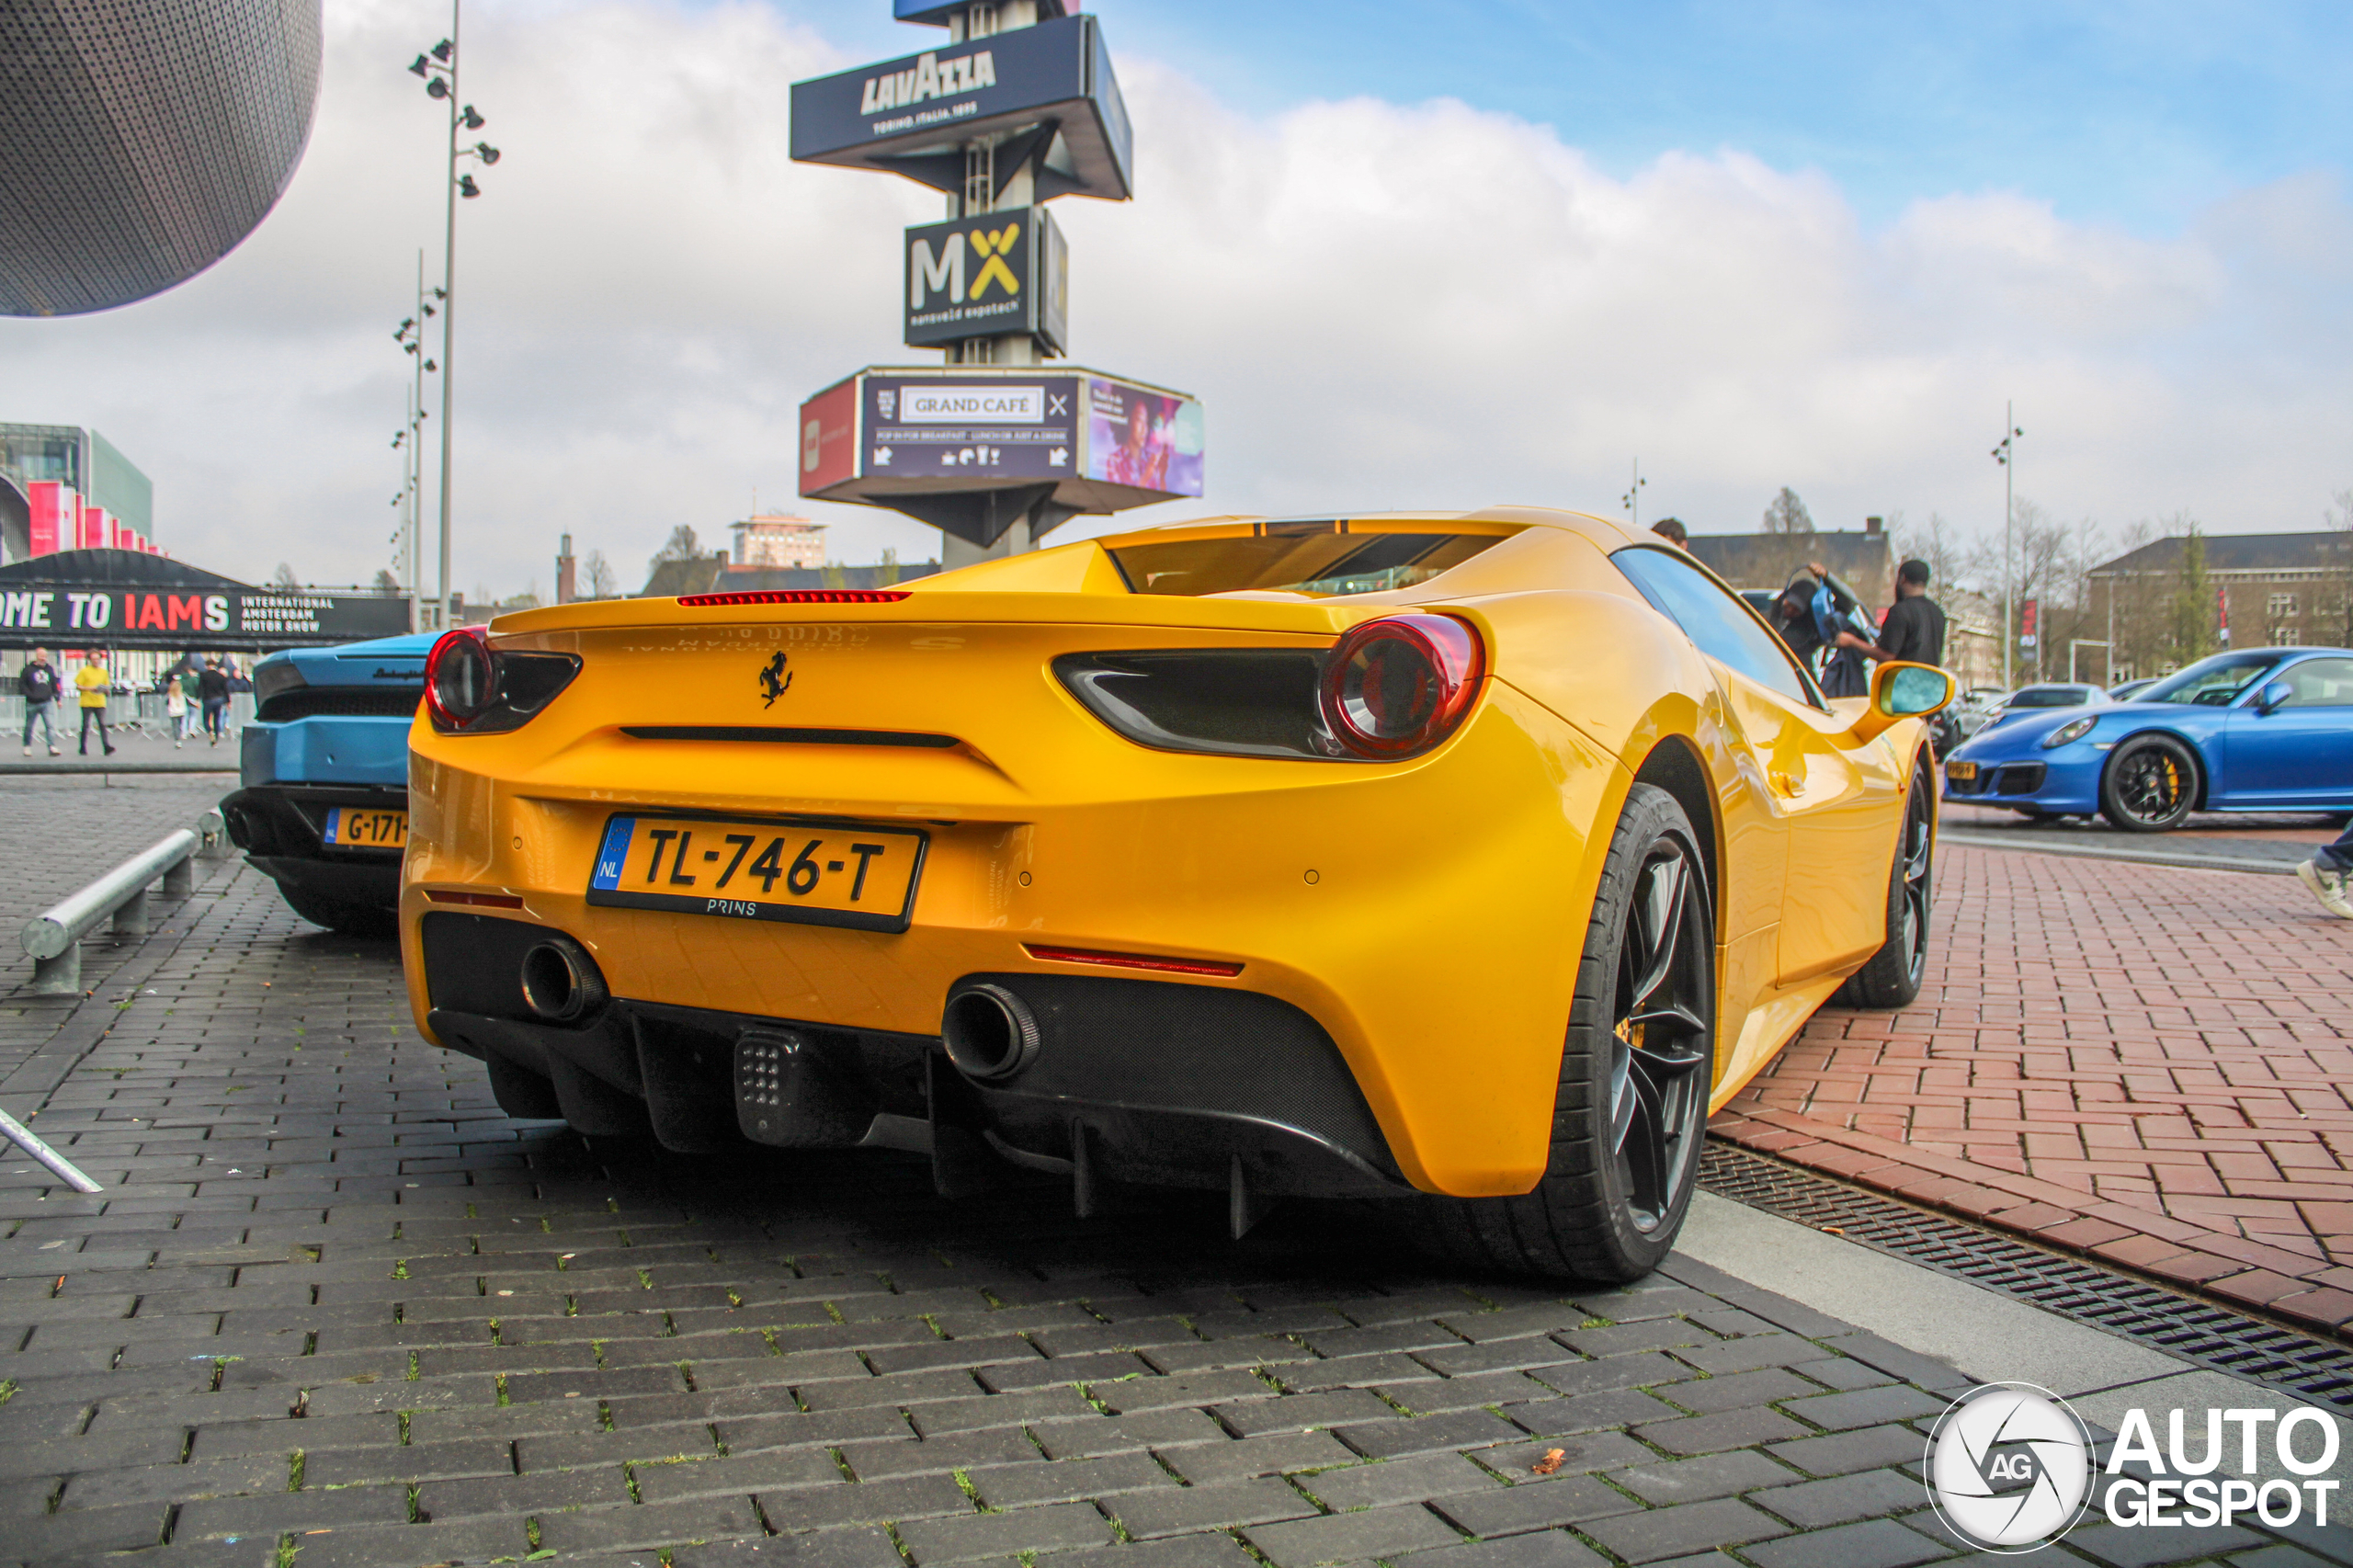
(1904, 691)
(2274, 696)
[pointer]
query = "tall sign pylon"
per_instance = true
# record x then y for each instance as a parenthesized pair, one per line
(1001, 442)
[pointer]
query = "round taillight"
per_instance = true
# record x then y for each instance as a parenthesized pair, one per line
(1394, 687)
(459, 678)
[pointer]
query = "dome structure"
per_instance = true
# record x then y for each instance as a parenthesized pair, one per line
(146, 139)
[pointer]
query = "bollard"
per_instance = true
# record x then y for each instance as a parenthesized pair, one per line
(213, 829)
(53, 937)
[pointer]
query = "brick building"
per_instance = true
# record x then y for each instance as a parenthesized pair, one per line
(773, 541)
(2283, 590)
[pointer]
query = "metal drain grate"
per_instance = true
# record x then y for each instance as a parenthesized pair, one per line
(2212, 1336)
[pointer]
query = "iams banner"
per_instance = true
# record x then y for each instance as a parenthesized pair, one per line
(117, 598)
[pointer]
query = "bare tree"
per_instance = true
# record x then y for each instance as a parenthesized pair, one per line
(2193, 601)
(597, 578)
(682, 545)
(387, 585)
(1787, 515)
(2339, 580)
(887, 573)
(284, 577)
(1943, 546)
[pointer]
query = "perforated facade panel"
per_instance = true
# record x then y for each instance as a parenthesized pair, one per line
(143, 140)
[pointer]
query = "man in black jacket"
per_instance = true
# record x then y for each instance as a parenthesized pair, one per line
(40, 689)
(212, 686)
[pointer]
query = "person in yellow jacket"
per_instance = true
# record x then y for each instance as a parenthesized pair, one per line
(93, 682)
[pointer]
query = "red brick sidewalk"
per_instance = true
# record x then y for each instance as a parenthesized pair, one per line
(2152, 1066)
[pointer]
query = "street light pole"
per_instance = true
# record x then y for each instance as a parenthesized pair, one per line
(438, 70)
(2004, 453)
(448, 314)
(1632, 500)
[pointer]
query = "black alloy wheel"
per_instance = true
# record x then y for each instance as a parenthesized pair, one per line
(1892, 977)
(1658, 1068)
(1631, 1114)
(2150, 785)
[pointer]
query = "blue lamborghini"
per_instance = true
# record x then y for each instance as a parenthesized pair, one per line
(2262, 729)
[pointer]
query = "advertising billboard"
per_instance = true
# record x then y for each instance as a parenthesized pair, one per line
(978, 277)
(121, 598)
(911, 116)
(829, 437)
(966, 429)
(967, 447)
(1143, 437)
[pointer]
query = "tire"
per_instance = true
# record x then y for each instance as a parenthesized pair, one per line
(1630, 1113)
(340, 914)
(2149, 785)
(1892, 977)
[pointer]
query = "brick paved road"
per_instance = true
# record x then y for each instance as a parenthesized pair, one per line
(57, 835)
(335, 1309)
(2151, 1064)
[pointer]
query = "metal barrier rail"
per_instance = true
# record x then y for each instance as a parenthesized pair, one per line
(53, 939)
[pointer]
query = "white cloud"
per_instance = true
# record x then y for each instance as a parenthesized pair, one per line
(1382, 304)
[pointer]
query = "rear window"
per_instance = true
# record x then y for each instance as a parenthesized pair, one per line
(1314, 558)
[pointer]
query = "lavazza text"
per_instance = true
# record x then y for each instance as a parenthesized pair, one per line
(931, 78)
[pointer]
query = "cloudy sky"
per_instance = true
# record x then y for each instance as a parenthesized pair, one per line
(1444, 254)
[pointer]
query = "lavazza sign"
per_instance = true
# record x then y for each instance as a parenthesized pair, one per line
(930, 77)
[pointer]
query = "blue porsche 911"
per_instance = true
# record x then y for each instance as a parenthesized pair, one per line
(2263, 730)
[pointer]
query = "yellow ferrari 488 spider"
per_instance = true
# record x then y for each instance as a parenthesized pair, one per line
(1462, 860)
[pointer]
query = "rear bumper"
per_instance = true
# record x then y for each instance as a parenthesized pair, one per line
(1139, 1081)
(364, 749)
(281, 829)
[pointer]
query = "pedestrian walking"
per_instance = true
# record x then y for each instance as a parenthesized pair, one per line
(175, 710)
(2329, 873)
(39, 685)
(94, 684)
(212, 686)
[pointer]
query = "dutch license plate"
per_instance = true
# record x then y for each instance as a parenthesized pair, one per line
(1964, 771)
(813, 873)
(350, 828)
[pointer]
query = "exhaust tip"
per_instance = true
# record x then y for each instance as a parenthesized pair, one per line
(989, 1032)
(561, 982)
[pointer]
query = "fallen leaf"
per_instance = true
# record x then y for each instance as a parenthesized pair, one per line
(1833, 1230)
(1550, 1461)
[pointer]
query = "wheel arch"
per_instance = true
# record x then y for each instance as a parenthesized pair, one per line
(1674, 766)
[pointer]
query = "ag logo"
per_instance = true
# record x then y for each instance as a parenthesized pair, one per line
(2009, 1467)
(774, 679)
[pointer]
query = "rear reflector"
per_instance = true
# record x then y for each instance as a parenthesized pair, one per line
(797, 596)
(485, 899)
(1133, 960)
